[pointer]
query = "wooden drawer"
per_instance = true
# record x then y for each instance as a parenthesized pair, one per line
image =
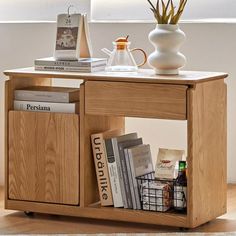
(136, 100)
(44, 157)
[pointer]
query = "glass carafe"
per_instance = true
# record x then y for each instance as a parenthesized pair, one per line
(121, 58)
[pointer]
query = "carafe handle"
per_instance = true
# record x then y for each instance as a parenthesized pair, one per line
(144, 54)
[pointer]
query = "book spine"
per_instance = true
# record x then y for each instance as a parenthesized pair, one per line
(135, 182)
(46, 107)
(69, 63)
(131, 184)
(41, 96)
(72, 69)
(125, 178)
(113, 173)
(120, 174)
(62, 68)
(100, 162)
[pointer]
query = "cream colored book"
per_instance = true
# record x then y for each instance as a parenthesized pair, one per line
(140, 163)
(47, 94)
(117, 165)
(101, 165)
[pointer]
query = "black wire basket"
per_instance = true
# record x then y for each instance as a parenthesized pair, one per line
(159, 195)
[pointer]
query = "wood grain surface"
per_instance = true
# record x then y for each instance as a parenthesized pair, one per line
(136, 100)
(142, 76)
(44, 157)
(39, 177)
(207, 157)
(108, 213)
(10, 85)
(15, 222)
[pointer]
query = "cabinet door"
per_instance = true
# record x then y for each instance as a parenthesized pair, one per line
(44, 157)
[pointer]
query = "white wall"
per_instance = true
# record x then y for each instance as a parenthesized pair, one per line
(19, 45)
(38, 10)
(208, 47)
(115, 10)
(140, 10)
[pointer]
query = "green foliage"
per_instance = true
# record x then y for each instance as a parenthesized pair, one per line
(165, 12)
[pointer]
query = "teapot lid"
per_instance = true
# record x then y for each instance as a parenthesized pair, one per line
(121, 42)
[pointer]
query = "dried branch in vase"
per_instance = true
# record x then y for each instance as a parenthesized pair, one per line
(165, 12)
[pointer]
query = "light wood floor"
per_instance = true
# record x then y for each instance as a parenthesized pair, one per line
(12, 222)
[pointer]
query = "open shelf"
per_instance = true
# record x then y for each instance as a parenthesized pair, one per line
(106, 213)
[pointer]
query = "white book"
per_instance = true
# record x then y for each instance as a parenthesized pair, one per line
(113, 174)
(46, 106)
(135, 200)
(125, 169)
(131, 184)
(117, 163)
(71, 69)
(47, 94)
(81, 62)
(140, 163)
(72, 39)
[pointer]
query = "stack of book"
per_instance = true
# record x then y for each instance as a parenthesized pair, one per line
(82, 65)
(119, 159)
(47, 99)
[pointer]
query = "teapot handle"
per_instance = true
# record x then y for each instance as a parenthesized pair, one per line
(144, 54)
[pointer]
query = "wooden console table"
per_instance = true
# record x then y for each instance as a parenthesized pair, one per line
(48, 158)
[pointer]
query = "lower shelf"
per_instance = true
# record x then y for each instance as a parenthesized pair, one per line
(106, 213)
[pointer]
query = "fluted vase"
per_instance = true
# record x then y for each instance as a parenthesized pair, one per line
(167, 40)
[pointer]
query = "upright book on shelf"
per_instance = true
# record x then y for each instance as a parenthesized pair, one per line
(101, 165)
(139, 163)
(113, 174)
(47, 94)
(128, 188)
(116, 165)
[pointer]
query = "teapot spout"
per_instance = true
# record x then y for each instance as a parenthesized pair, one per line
(105, 50)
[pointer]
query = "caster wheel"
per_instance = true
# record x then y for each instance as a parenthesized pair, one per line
(183, 229)
(29, 213)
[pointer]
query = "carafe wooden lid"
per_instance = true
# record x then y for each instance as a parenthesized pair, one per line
(121, 43)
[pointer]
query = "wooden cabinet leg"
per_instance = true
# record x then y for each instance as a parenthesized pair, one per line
(207, 145)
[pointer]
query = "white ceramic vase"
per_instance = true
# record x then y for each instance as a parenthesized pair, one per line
(166, 59)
